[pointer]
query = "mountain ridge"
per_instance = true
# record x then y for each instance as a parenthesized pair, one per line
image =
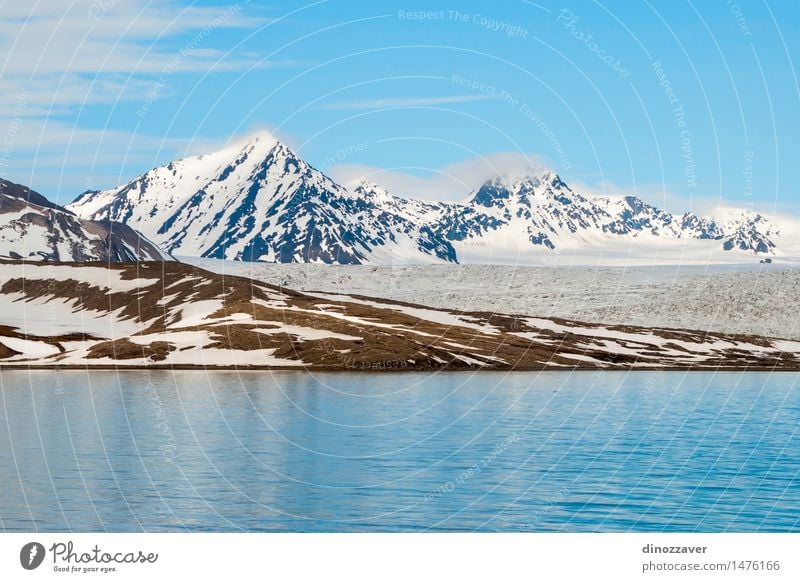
(34, 228)
(257, 200)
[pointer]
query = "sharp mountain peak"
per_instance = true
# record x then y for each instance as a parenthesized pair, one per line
(257, 199)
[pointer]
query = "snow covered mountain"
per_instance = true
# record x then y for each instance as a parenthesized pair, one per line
(258, 201)
(508, 217)
(35, 229)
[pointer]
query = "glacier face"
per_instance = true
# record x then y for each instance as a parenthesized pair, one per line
(258, 201)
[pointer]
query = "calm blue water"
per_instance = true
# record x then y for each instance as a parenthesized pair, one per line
(227, 451)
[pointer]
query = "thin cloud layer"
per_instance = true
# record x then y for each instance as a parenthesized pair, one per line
(451, 182)
(100, 37)
(405, 102)
(57, 58)
(60, 58)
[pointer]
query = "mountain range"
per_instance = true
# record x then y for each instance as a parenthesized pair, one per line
(259, 201)
(34, 229)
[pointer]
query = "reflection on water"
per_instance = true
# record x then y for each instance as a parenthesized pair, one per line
(259, 451)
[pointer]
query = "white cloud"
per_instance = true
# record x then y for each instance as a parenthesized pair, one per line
(200, 145)
(665, 197)
(57, 57)
(405, 102)
(61, 55)
(660, 195)
(48, 95)
(44, 153)
(455, 182)
(108, 36)
(451, 182)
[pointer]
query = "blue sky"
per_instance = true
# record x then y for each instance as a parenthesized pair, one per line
(685, 103)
